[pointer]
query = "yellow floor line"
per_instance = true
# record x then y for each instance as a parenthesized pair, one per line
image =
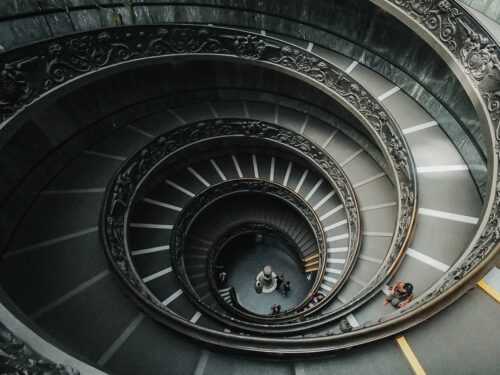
(410, 356)
(489, 289)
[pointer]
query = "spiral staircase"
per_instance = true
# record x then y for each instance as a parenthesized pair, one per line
(148, 147)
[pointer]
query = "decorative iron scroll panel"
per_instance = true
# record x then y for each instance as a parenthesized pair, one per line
(18, 358)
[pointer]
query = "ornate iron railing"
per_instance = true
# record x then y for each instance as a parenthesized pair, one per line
(132, 7)
(220, 191)
(61, 62)
(477, 57)
(290, 246)
(18, 358)
(474, 56)
(33, 73)
(135, 172)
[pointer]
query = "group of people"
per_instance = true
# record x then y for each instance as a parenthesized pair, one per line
(283, 285)
(400, 294)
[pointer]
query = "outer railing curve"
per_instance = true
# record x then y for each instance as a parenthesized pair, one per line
(246, 185)
(35, 73)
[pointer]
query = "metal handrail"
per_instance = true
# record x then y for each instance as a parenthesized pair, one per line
(250, 47)
(254, 48)
(194, 209)
(130, 179)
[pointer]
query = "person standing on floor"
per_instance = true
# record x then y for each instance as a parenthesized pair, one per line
(400, 294)
(280, 280)
(286, 288)
(258, 287)
(222, 278)
(275, 309)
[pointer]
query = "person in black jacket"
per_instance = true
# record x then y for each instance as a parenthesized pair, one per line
(275, 309)
(400, 294)
(280, 280)
(258, 287)
(286, 288)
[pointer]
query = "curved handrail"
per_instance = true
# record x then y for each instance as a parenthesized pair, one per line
(236, 231)
(133, 174)
(101, 50)
(485, 244)
(76, 56)
(474, 56)
(223, 189)
(483, 247)
(219, 191)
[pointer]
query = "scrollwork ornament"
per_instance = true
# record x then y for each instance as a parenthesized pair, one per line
(493, 105)
(473, 48)
(296, 60)
(249, 46)
(16, 87)
(18, 358)
(407, 200)
(437, 15)
(70, 57)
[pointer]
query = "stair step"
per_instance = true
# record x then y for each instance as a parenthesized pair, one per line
(313, 269)
(311, 257)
